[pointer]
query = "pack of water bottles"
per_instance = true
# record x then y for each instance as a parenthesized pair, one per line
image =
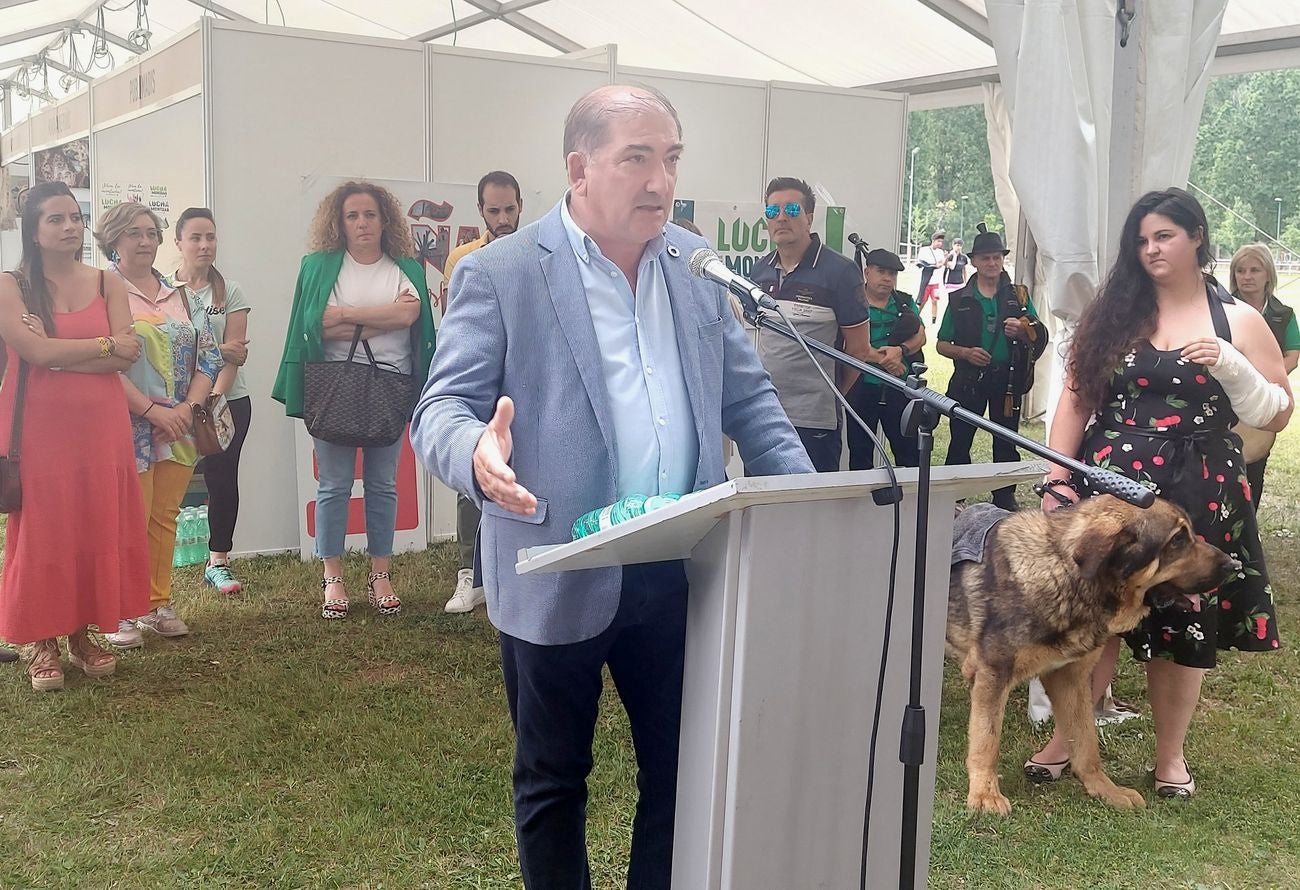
(622, 510)
(191, 536)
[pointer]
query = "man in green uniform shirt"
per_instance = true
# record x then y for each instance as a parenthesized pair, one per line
(896, 331)
(992, 333)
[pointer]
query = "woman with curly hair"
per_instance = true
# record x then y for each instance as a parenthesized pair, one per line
(1165, 361)
(360, 276)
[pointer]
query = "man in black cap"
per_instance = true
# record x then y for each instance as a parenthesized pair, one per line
(993, 336)
(897, 333)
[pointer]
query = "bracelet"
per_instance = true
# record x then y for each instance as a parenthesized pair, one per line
(112, 345)
(146, 411)
(104, 350)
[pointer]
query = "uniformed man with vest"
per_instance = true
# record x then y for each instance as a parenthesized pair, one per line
(992, 333)
(897, 332)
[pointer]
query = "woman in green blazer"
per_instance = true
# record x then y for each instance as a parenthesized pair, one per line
(361, 273)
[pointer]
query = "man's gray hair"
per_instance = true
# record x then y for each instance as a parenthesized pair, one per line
(587, 126)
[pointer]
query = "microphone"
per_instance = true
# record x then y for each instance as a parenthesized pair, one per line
(706, 264)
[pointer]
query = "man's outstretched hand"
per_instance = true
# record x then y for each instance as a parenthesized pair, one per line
(491, 464)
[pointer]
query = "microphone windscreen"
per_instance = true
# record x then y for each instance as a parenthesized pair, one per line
(699, 256)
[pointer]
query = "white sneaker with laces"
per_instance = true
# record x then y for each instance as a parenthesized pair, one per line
(467, 596)
(128, 636)
(163, 621)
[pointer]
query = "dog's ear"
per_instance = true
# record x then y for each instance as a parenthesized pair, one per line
(1148, 537)
(1099, 547)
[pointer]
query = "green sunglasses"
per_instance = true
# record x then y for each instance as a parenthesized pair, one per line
(791, 210)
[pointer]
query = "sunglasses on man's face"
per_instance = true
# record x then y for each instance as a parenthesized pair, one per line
(772, 211)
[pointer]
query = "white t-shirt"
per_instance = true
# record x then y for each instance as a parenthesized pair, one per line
(376, 284)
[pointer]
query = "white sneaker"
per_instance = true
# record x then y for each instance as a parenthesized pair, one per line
(467, 596)
(128, 636)
(163, 621)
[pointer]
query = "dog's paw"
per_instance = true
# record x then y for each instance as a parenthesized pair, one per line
(988, 802)
(1122, 798)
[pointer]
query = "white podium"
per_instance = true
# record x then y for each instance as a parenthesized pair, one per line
(788, 583)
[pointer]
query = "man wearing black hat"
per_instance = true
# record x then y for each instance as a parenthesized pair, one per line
(897, 332)
(993, 336)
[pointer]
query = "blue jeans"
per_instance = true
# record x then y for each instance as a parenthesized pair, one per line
(337, 466)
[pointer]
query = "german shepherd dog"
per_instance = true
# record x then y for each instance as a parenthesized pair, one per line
(1051, 590)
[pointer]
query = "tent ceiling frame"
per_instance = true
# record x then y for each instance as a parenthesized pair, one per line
(221, 11)
(963, 17)
(511, 14)
(477, 18)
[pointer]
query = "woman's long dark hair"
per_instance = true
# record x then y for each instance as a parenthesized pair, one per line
(1124, 311)
(218, 280)
(31, 263)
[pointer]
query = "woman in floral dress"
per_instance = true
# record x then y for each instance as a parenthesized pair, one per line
(1163, 360)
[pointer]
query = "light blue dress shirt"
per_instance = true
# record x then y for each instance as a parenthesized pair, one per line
(657, 444)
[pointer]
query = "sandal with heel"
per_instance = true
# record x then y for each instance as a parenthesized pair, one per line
(388, 604)
(43, 666)
(93, 661)
(333, 608)
(1043, 773)
(1176, 790)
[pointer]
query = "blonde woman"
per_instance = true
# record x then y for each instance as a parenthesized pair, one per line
(361, 273)
(1252, 278)
(176, 373)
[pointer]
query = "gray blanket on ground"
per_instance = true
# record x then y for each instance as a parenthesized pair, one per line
(971, 528)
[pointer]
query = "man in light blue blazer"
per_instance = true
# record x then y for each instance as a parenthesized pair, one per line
(581, 363)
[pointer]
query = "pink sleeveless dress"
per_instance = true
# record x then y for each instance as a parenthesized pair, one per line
(76, 553)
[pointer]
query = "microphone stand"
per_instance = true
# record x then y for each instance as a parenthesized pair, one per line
(919, 418)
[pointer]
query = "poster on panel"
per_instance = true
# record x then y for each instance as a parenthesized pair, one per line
(68, 163)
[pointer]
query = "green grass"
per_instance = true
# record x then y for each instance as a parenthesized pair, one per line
(273, 749)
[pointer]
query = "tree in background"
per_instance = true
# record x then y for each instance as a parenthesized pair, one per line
(1247, 154)
(953, 161)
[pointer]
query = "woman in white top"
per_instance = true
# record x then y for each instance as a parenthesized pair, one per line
(361, 274)
(227, 311)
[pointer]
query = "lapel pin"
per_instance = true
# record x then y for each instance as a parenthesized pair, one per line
(673, 251)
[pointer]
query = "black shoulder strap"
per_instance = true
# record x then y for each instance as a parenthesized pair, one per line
(16, 430)
(1222, 329)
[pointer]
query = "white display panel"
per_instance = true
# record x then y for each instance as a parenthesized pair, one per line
(283, 107)
(847, 143)
(723, 127)
(505, 113)
(157, 160)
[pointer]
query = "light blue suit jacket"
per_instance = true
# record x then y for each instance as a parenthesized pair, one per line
(519, 326)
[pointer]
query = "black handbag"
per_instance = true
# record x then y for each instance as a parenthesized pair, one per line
(356, 404)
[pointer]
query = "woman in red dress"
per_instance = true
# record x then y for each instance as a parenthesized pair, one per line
(75, 553)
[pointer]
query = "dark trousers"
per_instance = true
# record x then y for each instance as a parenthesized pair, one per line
(983, 397)
(823, 447)
(221, 476)
(866, 400)
(1255, 478)
(554, 691)
(467, 520)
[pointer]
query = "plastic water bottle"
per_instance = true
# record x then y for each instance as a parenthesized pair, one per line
(182, 538)
(201, 534)
(630, 507)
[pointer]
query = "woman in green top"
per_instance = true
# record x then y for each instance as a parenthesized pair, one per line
(227, 310)
(1252, 278)
(361, 274)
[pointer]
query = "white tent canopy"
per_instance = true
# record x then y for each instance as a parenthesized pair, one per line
(49, 48)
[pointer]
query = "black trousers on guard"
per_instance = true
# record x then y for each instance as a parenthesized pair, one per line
(554, 692)
(984, 395)
(866, 400)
